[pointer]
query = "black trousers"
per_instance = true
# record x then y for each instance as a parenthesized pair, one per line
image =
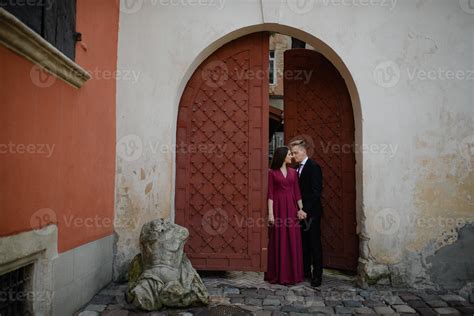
(312, 247)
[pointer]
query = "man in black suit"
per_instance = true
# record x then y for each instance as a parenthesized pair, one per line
(311, 186)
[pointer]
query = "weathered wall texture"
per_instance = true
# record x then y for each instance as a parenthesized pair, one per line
(408, 66)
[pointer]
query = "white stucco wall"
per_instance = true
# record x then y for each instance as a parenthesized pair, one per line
(413, 119)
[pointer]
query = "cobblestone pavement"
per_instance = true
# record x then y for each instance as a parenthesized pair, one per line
(245, 293)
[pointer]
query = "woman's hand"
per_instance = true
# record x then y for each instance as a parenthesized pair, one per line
(271, 219)
(302, 214)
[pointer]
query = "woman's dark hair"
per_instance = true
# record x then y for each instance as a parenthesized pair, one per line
(279, 157)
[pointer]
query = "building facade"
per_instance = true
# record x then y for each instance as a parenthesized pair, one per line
(91, 154)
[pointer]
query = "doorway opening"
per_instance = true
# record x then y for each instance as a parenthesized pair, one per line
(309, 100)
(235, 117)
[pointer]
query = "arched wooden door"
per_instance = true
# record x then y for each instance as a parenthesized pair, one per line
(221, 159)
(318, 108)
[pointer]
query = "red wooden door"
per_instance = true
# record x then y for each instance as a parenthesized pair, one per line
(318, 108)
(221, 159)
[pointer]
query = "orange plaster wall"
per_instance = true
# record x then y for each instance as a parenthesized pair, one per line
(72, 181)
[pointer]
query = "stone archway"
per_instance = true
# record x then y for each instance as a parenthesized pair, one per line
(333, 57)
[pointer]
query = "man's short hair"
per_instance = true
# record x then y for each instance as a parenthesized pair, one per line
(299, 142)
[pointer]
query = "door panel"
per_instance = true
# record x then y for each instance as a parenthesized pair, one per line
(318, 108)
(221, 159)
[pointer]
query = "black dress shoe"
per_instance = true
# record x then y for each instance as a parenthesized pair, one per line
(316, 281)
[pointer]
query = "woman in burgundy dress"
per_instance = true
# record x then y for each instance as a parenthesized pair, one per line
(285, 257)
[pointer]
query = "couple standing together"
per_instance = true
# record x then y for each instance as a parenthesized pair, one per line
(294, 216)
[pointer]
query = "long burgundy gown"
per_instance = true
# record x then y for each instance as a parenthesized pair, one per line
(285, 257)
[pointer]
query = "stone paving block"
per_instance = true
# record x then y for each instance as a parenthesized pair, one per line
(410, 297)
(215, 291)
(363, 310)
(231, 290)
(263, 313)
(451, 297)
(265, 292)
(393, 300)
(404, 309)
(426, 311)
(294, 309)
(89, 313)
(250, 308)
(342, 310)
(437, 303)
(235, 295)
(352, 303)
(417, 303)
(95, 308)
(239, 300)
(284, 292)
(321, 310)
(383, 310)
(429, 297)
(270, 308)
(315, 303)
(373, 303)
(271, 301)
(447, 311)
(121, 312)
(332, 303)
(467, 310)
(457, 304)
(253, 301)
(102, 299)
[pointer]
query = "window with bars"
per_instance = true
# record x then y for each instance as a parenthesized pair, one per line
(15, 287)
(272, 68)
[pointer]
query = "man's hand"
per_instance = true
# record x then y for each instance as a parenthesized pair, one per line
(302, 215)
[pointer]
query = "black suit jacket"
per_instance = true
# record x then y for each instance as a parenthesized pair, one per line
(311, 186)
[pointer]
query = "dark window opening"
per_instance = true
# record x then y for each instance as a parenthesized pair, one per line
(272, 68)
(54, 20)
(15, 291)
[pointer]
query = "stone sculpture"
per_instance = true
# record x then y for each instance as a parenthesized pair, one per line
(162, 274)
